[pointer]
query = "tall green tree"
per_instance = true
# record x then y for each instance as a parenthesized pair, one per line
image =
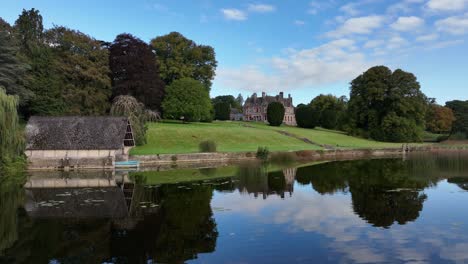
(82, 66)
(180, 57)
(222, 111)
(331, 110)
(11, 139)
(134, 71)
(187, 99)
(12, 69)
(275, 113)
(460, 126)
(30, 29)
(306, 116)
(41, 79)
(387, 106)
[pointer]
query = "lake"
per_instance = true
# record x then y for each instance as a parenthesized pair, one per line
(406, 210)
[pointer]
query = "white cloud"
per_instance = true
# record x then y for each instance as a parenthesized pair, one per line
(396, 42)
(234, 14)
(404, 6)
(373, 44)
(358, 25)
(447, 5)
(428, 37)
(351, 9)
(455, 25)
(316, 6)
(332, 62)
(299, 22)
(261, 8)
(407, 23)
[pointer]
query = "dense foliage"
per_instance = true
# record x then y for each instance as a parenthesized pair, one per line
(222, 111)
(275, 113)
(439, 119)
(83, 71)
(222, 106)
(331, 111)
(188, 100)
(11, 138)
(134, 71)
(387, 106)
(180, 57)
(460, 126)
(306, 116)
(12, 69)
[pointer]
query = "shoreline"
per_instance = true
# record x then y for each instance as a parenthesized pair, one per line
(225, 158)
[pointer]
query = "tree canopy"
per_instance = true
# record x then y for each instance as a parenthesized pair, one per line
(331, 110)
(83, 69)
(306, 116)
(439, 119)
(180, 57)
(387, 106)
(187, 99)
(275, 113)
(460, 126)
(12, 69)
(134, 71)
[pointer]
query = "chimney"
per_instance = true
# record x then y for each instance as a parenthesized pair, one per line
(289, 95)
(281, 95)
(263, 94)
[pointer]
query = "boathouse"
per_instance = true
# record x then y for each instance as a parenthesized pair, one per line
(74, 142)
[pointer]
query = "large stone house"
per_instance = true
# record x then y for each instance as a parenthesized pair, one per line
(77, 142)
(255, 108)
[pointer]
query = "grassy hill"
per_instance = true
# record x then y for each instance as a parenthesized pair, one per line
(172, 138)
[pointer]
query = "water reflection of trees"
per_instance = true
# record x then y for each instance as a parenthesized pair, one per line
(168, 224)
(11, 198)
(383, 191)
(182, 228)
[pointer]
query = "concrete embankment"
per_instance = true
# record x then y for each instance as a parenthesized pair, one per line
(304, 155)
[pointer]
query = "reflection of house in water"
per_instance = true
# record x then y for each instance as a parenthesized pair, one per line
(257, 181)
(79, 195)
(96, 217)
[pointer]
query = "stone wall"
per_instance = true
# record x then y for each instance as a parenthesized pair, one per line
(74, 163)
(305, 155)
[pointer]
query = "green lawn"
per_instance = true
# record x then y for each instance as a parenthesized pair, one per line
(173, 138)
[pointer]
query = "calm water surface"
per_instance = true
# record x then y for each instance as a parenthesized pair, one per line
(411, 210)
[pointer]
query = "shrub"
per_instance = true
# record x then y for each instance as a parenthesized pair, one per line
(207, 146)
(275, 113)
(263, 153)
(283, 158)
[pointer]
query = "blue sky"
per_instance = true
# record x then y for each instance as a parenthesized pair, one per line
(300, 47)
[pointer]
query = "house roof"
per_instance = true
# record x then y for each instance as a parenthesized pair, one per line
(75, 132)
(267, 99)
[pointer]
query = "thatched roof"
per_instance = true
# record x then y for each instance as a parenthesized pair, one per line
(75, 133)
